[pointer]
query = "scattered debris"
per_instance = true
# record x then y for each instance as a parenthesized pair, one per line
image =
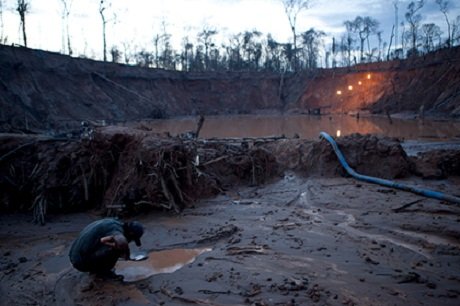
(244, 250)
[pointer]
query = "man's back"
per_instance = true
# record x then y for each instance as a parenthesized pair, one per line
(88, 253)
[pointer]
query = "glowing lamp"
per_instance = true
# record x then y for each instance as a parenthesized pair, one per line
(369, 76)
(338, 133)
(360, 83)
(339, 92)
(350, 87)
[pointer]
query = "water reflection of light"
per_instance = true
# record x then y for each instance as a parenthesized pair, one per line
(339, 133)
(307, 127)
(165, 261)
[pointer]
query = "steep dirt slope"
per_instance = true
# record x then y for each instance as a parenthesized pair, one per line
(43, 90)
(47, 90)
(428, 84)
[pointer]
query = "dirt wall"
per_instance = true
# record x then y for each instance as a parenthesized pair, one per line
(122, 171)
(423, 85)
(48, 91)
(44, 90)
(125, 170)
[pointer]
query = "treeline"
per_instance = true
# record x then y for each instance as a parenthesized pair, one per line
(250, 50)
(361, 42)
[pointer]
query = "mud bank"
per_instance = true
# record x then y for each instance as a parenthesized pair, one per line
(130, 170)
(426, 85)
(45, 91)
(127, 170)
(50, 91)
(123, 170)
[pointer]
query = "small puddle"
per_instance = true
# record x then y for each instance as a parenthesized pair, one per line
(167, 261)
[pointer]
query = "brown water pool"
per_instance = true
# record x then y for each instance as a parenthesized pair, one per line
(309, 127)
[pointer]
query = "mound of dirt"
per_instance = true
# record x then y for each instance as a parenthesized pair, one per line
(123, 172)
(370, 155)
(437, 164)
(126, 170)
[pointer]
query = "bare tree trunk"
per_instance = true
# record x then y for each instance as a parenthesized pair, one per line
(395, 26)
(157, 57)
(295, 47)
(23, 23)
(22, 9)
(69, 47)
(1, 22)
(449, 38)
(67, 4)
(389, 45)
(104, 39)
(104, 23)
(292, 9)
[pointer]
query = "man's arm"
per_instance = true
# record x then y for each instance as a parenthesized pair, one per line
(117, 242)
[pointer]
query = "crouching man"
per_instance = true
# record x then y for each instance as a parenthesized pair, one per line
(101, 243)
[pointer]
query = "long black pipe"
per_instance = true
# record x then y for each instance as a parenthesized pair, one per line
(424, 192)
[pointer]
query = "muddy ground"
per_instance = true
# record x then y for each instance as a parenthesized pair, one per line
(276, 221)
(299, 234)
(297, 241)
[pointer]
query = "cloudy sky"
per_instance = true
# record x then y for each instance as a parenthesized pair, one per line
(137, 21)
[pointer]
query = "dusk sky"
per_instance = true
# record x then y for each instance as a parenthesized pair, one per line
(137, 21)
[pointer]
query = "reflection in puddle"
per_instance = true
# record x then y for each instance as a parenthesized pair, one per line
(167, 261)
(308, 126)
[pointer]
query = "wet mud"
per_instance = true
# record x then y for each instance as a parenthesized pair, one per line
(297, 241)
(303, 234)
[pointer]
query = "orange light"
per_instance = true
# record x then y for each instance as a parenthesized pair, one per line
(338, 133)
(339, 92)
(369, 76)
(350, 87)
(360, 83)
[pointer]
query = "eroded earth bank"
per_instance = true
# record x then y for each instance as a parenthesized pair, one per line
(49, 92)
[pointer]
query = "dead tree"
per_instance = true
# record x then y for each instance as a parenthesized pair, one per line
(292, 8)
(102, 8)
(395, 26)
(23, 7)
(414, 18)
(1, 23)
(66, 7)
(444, 8)
(205, 37)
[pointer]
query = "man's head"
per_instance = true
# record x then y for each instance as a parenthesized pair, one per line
(134, 231)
